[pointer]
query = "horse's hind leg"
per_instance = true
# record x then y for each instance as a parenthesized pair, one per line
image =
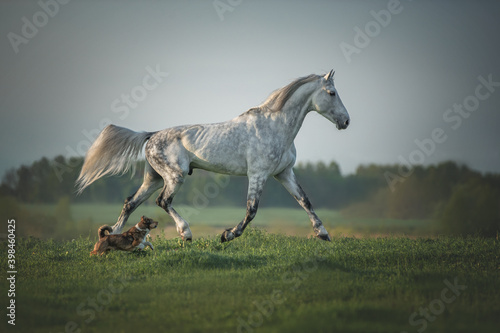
(255, 187)
(152, 182)
(288, 180)
(173, 182)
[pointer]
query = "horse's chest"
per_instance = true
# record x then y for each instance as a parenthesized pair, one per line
(271, 156)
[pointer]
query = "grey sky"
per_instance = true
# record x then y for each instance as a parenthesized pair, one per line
(71, 75)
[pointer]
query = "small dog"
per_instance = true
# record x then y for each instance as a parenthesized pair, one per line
(134, 238)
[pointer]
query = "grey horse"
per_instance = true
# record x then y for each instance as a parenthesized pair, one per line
(257, 144)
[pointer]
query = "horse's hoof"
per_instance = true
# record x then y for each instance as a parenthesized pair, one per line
(226, 236)
(186, 236)
(324, 237)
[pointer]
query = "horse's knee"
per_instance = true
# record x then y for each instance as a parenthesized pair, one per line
(158, 201)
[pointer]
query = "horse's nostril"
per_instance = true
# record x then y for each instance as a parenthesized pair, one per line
(347, 123)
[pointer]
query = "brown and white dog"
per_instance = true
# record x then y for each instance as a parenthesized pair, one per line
(134, 238)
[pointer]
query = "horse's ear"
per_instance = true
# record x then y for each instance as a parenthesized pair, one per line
(329, 76)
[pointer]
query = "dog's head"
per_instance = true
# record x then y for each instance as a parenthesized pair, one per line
(147, 223)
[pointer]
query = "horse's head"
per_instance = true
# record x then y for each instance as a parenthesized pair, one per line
(326, 101)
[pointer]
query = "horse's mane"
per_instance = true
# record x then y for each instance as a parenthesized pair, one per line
(279, 97)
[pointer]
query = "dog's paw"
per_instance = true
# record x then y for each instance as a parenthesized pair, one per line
(148, 244)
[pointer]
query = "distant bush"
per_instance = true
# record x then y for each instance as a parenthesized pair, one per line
(462, 201)
(473, 208)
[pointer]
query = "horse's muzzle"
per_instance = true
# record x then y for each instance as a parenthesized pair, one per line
(342, 124)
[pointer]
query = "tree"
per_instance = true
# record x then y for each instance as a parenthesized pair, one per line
(473, 208)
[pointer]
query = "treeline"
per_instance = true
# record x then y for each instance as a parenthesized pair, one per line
(463, 200)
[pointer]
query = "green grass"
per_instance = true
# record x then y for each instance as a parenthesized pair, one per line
(260, 282)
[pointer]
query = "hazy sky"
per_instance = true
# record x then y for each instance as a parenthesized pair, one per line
(68, 69)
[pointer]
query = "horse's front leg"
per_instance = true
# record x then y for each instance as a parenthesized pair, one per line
(255, 187)
(289, 181)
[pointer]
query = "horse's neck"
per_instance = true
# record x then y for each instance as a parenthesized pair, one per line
(295, 110)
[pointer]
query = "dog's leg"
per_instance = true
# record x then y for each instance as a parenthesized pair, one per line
(148, 244)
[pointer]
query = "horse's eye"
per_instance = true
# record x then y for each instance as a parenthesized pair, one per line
(331, 92)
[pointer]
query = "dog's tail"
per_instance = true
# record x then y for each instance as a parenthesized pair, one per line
(102, 231)
(113, 152)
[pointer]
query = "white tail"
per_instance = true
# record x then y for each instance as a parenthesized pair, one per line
(113, 152)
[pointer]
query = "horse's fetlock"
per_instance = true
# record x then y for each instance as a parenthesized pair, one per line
(318, 226)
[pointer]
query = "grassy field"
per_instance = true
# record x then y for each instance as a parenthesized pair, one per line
(260, 282)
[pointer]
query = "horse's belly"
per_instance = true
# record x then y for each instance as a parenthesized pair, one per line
(216, 148)
(226, 167)
(222, 158)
